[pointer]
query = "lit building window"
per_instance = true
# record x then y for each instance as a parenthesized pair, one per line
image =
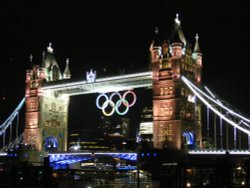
(167, 90)
(53, 106)
(33, 105)
(167, 111)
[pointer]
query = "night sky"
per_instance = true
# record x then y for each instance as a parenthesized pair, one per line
(111, 35)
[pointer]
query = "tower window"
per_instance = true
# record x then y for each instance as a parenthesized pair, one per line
(53, 106)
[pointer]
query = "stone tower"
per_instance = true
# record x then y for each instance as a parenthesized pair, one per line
(46, 114)
(176, 113)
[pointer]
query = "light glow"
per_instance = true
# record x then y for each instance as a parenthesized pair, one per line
(191, 98)
(146, 128)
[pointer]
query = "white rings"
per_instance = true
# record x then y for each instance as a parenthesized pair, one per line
(115, 104)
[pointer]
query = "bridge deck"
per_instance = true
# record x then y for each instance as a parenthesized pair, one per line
(101, 85)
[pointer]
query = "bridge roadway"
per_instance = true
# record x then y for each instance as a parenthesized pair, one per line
(100, 85)
(79, 156)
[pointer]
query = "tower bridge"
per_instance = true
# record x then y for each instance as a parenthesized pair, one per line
(177, 102)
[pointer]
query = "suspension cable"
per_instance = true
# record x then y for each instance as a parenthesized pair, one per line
(207, 124)
(10, 136)
(221, 134)
(197, 92)
(17, 124)
(235, 138)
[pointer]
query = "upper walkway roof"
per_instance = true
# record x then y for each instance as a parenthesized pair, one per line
(101, 85)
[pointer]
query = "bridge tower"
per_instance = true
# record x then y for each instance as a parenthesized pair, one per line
(176, 113)
(46, 114)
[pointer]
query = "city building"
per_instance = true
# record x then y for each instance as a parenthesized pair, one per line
(88, 140)
(146, 127)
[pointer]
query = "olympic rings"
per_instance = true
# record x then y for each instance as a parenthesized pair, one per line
(106, 103)
(115, 105)
(134, 96)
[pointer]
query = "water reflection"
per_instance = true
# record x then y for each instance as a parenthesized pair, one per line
(121, 180)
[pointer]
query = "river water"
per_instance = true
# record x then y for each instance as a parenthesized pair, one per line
(127, 181)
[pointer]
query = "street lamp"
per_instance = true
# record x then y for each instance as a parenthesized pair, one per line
(123, 145)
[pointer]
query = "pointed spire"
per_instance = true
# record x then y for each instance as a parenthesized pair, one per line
(156, 42)
(49, 48)
(176, 38)
(43, 60)
(197, 55)
(31, 58)
(155, 47)
(52, 69)
(177, 35)
(177, 21)
(66, 74)
(156, 30)
(197, 46)
(43, 55)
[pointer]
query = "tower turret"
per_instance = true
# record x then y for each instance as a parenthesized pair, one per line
(155, 47)
(197, 56)
(177, 39)
(66, 74)
(50, 65)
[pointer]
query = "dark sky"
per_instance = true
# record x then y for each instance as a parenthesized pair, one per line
(111, 35)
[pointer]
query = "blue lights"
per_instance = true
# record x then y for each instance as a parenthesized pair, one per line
(121, 168)
(51, 142)
(149, 154)
(189, 136)
(60, 160)
(13, 155)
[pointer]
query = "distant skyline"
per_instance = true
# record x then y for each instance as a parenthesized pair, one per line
(116, 36)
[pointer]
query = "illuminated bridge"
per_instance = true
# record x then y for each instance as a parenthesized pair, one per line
(101, 85)
(179, 100)
(225, 117)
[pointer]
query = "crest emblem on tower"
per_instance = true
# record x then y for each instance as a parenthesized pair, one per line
(90, 76)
